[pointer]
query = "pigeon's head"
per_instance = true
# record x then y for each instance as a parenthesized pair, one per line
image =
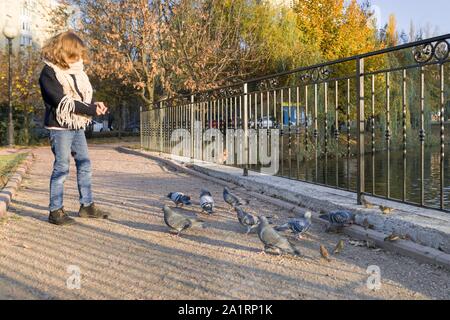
(170, 195)
(204, 192)
(307, 215)
(263, 220)
(226, 190)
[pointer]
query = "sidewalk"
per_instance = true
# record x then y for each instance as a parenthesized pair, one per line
(132, 256)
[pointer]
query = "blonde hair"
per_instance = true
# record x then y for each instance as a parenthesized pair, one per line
(65, 47)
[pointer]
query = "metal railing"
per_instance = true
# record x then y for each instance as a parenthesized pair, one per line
(373, 124)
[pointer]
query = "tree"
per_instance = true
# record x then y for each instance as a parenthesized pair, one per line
(335, 29)
(26, 96)
(124, 39)
(279, 41)
(391, 32)
(207, 44)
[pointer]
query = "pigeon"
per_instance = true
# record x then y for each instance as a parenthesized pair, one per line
(246, 219)
(339, 247)
(179, 222)
(231, 199)
(206, 201)
(339, 218)
(386, 210)
(273, 240)
(366, 203)
(298, 226)
(179, 199)
(324, 253)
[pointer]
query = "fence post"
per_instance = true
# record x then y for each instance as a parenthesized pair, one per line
(192, 128)
(246, 129)
(161, 141)
(140, 126)
(361, 127)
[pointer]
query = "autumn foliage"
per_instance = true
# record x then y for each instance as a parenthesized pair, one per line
(152, 49)
(181, 46)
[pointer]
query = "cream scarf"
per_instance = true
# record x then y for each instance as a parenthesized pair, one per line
(65, 114)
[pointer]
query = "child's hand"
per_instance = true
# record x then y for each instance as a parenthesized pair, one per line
(101, 108)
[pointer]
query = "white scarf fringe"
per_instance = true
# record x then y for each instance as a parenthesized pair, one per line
(65, 115)
(65, 112)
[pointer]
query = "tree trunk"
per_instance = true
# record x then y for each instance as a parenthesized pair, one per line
(120, 120)
(26, 130)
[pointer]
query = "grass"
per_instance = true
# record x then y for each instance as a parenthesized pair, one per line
(8, 163)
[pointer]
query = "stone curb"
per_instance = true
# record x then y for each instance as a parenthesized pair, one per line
(404, 247)
(13, 184)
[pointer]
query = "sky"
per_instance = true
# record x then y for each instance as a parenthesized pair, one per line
(422, 12)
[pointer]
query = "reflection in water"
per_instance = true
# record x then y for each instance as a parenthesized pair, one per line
(342, 173)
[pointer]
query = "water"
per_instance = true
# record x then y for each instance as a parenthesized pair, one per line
(342, 173)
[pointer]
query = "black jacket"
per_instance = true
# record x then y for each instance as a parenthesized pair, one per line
(52, 93)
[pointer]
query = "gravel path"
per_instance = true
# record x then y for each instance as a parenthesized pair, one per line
(132, 256)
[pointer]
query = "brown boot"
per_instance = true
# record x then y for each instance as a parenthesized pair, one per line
(60, 218)
(92, 212)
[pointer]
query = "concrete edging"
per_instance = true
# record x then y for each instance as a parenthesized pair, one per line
(405, 247)
(13, 184)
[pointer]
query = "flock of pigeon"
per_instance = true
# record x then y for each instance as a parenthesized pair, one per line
(270, 235)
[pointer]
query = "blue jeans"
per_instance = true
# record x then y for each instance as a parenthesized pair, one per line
(65, 143)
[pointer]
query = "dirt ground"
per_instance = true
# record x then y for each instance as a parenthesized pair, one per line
(132, 255)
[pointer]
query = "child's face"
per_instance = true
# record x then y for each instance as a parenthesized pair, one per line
(73, 60)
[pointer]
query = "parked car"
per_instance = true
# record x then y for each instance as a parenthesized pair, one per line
(98, 126)
(267, 123)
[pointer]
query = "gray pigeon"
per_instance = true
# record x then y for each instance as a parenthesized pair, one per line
(179, 198)
(273, 240)
(298, 226)
(206, 201)
(231, 198)
(246, 219)
(338, 219)
(179, 222)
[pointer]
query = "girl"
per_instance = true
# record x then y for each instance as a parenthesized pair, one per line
(69, 108)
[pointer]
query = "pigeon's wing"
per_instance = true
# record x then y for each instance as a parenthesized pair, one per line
(185, 200)
(269, 236)
(176, 221)
(339, 217)
(300, 225)
(206, 199)
(240, 215)
(283, 227)
(176, 196)
(231, 198)
(284, 245)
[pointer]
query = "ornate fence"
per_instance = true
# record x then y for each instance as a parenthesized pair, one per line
(373, 123)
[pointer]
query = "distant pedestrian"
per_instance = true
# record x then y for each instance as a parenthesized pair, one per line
(69, 108)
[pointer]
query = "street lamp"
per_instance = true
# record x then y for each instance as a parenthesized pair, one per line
(10, 32)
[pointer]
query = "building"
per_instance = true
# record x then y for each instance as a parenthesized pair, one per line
(30, 17)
